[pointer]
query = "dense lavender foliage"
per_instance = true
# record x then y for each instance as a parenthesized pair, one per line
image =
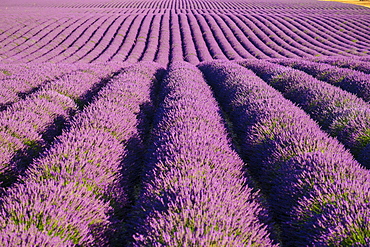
(294, 162)
(350, 80)
(22, 127)
(97, 149)
(346, 62)
(341, 113)
(28, 125)
(194, 191)
(17, 81)
(62, 209)
(85, 165)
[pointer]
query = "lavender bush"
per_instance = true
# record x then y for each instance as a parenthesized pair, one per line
(88, 161)
(346, 62)
(294, 162)
(350, 80)
(341, 113)
(194, 190)
(28, 125)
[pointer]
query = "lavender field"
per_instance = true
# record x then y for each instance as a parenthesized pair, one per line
(184, 123)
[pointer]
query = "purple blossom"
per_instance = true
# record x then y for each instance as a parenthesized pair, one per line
(340, 113)
(295, 163)
(194, 190)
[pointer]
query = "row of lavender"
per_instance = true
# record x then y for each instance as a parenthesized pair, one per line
(29, 124)
(194, 191)
(193, 37)
(18, 81)
(339, 112)
(318, 194)
(75, 192)
(154, 161)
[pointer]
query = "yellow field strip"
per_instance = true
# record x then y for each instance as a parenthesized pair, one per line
(365, 3)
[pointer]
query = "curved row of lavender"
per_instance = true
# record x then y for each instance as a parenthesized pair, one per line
(341, 113)
(76, 192)
(346, 62)
(213, 30)
(28, 125)
(195, 192)
(319, 194)
(350, 80)
(17, 81)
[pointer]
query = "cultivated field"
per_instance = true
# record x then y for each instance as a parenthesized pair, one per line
(184, 123)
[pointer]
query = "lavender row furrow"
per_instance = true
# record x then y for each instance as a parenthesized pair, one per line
(350, 28)
(250, 50)
(194, 191)
(331, 31)
(140, 40)
(88, 37)
(277, 41)
(162, 55)
(10, 28)
(204, 53)
(313, 30)
(297, 30)
(259, 38)
(42, 46)
(77, 191)
(153, 40)
(222, 39)
(117, 38)
(23, 126)
(78, 38)
(82, 43)
(208, 36)
(282, 35)
(176, 43)
(113, 51)
(190, 51)
(245, 35)
(352, 81)
(16, 48)
(94, 40)
(231, 38)
(347, 42)
(341, 113)
(27, 33)
(319, 194)
(104, 40)
(60, 43)
(130, 39)
(299, 35)
(255, 6)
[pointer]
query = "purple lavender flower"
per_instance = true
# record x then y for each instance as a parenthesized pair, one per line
(315, 200)
(194, 190)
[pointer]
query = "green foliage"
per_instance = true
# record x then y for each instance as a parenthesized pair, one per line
(6, 72)
(364, 139)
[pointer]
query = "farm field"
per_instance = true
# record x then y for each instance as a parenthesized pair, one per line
(184, 123)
